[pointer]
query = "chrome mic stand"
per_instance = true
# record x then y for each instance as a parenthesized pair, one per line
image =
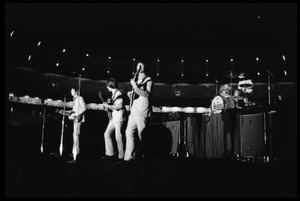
(43, 129)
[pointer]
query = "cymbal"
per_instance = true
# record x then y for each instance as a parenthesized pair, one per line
(245, 85)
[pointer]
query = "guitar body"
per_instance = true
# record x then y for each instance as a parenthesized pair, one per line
(133, 97)
(73, 118)
(76, 118)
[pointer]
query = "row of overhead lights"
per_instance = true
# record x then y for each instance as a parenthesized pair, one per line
(182, 61)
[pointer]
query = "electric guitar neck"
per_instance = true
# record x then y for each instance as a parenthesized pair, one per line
(109, 112)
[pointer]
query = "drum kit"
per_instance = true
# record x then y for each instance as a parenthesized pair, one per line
(229, 98)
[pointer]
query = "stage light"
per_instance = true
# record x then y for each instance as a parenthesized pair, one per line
(258, 17)
(206, 61)
(257, 59)
(157, 60)
(157, 74)
(83, 68)
(182, 61)
(231, 59)
(29, 57)
(63, 50)
(109, 57)
(258, 73)
(107, 72)
(206, 74)
(133, 59)
(87, 55)
(283, 57)
(57, 64)
(11, 34)
(39, 43)
(285, 73)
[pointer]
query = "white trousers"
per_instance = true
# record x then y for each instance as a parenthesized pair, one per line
(109, 145)
(76, 133)
(135, 123)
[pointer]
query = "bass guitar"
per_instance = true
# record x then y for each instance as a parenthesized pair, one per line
(69, 114)
(109, 112)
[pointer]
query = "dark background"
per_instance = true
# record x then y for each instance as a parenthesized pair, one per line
(170, 32)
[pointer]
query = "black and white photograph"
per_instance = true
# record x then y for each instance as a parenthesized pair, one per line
(150, 100)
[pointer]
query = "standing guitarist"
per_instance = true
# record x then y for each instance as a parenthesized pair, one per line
(140, 109)
(77, 115)
(116, 121)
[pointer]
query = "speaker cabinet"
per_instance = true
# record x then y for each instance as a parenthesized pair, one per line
(174, 128)
(250, 137)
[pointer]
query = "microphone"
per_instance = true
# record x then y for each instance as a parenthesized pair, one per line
(269, 72)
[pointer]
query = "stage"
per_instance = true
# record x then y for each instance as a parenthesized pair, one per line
(31, 174)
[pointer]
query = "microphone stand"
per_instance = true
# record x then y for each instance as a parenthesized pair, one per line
(269, 87)
(269, 123)
(43, 129)
(62, 129)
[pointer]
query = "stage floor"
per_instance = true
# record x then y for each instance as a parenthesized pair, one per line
(41, 175)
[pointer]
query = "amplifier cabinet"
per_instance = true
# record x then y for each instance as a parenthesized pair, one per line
(250, 135)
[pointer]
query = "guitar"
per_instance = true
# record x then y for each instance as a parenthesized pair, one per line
(132, 96)
(73, 118)
(109, 112)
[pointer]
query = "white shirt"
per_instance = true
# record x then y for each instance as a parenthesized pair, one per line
(79, 107)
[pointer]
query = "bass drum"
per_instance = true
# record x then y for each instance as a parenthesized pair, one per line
(220, 103)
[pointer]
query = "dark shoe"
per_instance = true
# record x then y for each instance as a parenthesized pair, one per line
(106, 157)
(71, 161)
(120, 161)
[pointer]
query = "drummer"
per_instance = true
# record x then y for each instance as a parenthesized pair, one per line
(225, 91)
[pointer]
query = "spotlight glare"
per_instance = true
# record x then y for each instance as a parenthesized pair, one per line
(182, 61)
(231, 59)
(283, 57)
(206, 61)
(29, 57)
(157, 60)
(285, 73)
(63, 50)
(109, 57)
(83, 69)
(57, 64)
(108, 71)
(258, 73)
(11, 34)
(257, 59)
(87, 55)
(39, 43)
(133, 59)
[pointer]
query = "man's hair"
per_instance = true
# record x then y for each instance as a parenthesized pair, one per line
(146, 67)
(75, 88)
(112, 83)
